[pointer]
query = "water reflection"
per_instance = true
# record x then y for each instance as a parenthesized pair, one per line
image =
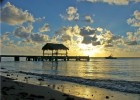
(120, 69)
(51, 67)
(55, 68)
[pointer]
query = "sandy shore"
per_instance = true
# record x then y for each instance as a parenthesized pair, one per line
(13, 90)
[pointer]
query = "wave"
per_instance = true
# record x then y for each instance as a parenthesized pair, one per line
(115, 85)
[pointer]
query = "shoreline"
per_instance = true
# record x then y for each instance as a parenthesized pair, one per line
(13, 90)
(115, 85)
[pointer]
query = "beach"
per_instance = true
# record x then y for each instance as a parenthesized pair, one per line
(13, 90)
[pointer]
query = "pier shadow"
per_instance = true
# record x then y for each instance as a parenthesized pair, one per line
(51, 67)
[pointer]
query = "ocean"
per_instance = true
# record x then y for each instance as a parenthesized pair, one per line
(122, 74)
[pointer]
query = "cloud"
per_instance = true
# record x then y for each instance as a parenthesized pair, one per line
(133, 38)
(91, 40)
(68, 33)
(85, 35)
(99, 30)
(4, 38)
(116, 2)
(23, 32)
(71, 14)
(107, 35)
(87, 31)
(64, 34)
(87, 40)
(137, 34)
(39, 37)
(137, 14)
(88, 19)
(112, 2)
(131, 43)
(96, 43)
(108, 45)
(135, 21)
(45, 28)
(27, 36)
(88, 35)
(130, 36)
(107, 38)
(66, 37)
(136, 1)
(39, 19)
(14, 16)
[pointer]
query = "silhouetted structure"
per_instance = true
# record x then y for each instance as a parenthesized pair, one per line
(110, 57)
(54, 47)
(54, 55)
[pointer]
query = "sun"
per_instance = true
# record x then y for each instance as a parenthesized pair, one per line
(88, 49)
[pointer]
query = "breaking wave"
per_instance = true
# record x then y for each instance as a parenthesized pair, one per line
(115, 85)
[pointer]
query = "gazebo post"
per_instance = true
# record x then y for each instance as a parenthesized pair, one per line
(66, 53)
(52, 53)
(52, 56)
(56, 52)
(66, 56)
(56, 59)
(43, 52)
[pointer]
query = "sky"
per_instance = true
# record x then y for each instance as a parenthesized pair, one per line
(95, 28)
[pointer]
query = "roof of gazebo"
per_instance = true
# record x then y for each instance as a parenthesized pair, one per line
(52, 46)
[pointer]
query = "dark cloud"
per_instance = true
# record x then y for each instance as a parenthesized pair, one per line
(87, 31)
(95, 43)
(131, 43)
(23, 32)
(108, 45)
(87, 40)
(39, 37)
(65, 37)
(90, 39)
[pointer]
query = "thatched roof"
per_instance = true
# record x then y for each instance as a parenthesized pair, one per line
(52, 46)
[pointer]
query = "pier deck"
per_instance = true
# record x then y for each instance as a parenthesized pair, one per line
(46, 58)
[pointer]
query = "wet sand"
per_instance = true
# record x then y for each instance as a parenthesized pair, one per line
(13, 90)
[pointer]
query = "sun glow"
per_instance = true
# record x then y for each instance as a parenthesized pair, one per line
(88, 49)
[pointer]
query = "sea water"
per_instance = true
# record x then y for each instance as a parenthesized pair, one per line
(116, 69)
(121, 74)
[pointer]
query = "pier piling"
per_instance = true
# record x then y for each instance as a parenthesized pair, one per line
(16, 58)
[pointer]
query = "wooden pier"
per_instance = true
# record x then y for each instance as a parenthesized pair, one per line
(46, 58)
